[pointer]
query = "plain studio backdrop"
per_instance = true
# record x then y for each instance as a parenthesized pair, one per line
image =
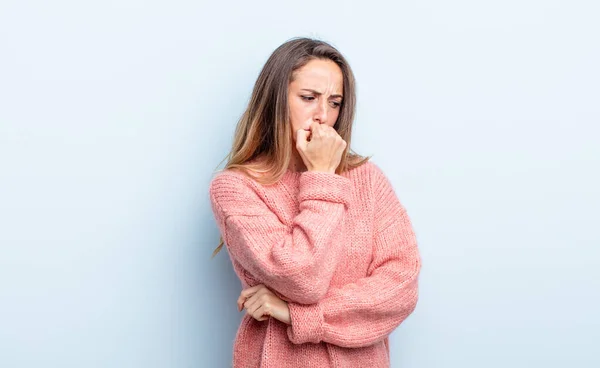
(114, 115)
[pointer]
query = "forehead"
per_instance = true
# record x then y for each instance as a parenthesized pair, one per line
(320, 74)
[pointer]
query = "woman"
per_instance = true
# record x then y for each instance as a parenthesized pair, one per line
(326, 253)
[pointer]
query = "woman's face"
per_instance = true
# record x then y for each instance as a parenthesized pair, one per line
(315, 95)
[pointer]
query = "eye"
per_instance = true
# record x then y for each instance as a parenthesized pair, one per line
(336, 104)
(307, 98)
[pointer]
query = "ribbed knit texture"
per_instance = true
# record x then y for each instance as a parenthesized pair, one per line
(340, 249)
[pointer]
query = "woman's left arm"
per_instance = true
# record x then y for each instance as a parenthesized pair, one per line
(368, 310)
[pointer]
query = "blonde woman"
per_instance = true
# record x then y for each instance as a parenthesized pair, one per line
(325, 251)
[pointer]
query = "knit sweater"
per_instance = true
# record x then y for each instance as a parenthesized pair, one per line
(340, 249)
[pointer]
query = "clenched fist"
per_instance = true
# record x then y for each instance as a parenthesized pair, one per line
(321, 149)
(261, 303)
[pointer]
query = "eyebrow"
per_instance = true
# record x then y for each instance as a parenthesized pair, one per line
(319, 93)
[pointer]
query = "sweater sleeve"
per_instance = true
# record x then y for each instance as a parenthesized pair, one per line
(297, 261)
(367, 310)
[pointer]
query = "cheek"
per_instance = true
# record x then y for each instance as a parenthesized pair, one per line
(300, 116)
(295, 119)
(334, 117)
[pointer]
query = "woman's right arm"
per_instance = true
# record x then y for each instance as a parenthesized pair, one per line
(297, 262)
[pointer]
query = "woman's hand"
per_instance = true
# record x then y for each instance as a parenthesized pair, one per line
(261, 303)
(324, 150)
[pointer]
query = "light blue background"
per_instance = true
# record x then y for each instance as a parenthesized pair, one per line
(484, 114)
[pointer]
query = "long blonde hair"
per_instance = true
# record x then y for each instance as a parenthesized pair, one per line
(264, 130)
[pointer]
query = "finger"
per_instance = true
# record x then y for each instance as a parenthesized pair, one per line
(251, 290)
(301, 139)
(262, 313)
(252, 306)
(254, 300)
(246, 293)
(334, 133)
(240, 302)
(257, 317)
(316, 129)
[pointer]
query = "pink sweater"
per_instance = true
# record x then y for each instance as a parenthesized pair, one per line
(340, 249)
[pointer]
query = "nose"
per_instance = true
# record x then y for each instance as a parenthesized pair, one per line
(321, 112)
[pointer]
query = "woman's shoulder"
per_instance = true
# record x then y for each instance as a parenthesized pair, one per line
(371, 177)
(230, 173)
(231, 180)
(236, 180)
(232, 192)
(367, 170)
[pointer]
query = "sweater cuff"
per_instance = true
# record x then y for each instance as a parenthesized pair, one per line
(325, 186)
(307, 323)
